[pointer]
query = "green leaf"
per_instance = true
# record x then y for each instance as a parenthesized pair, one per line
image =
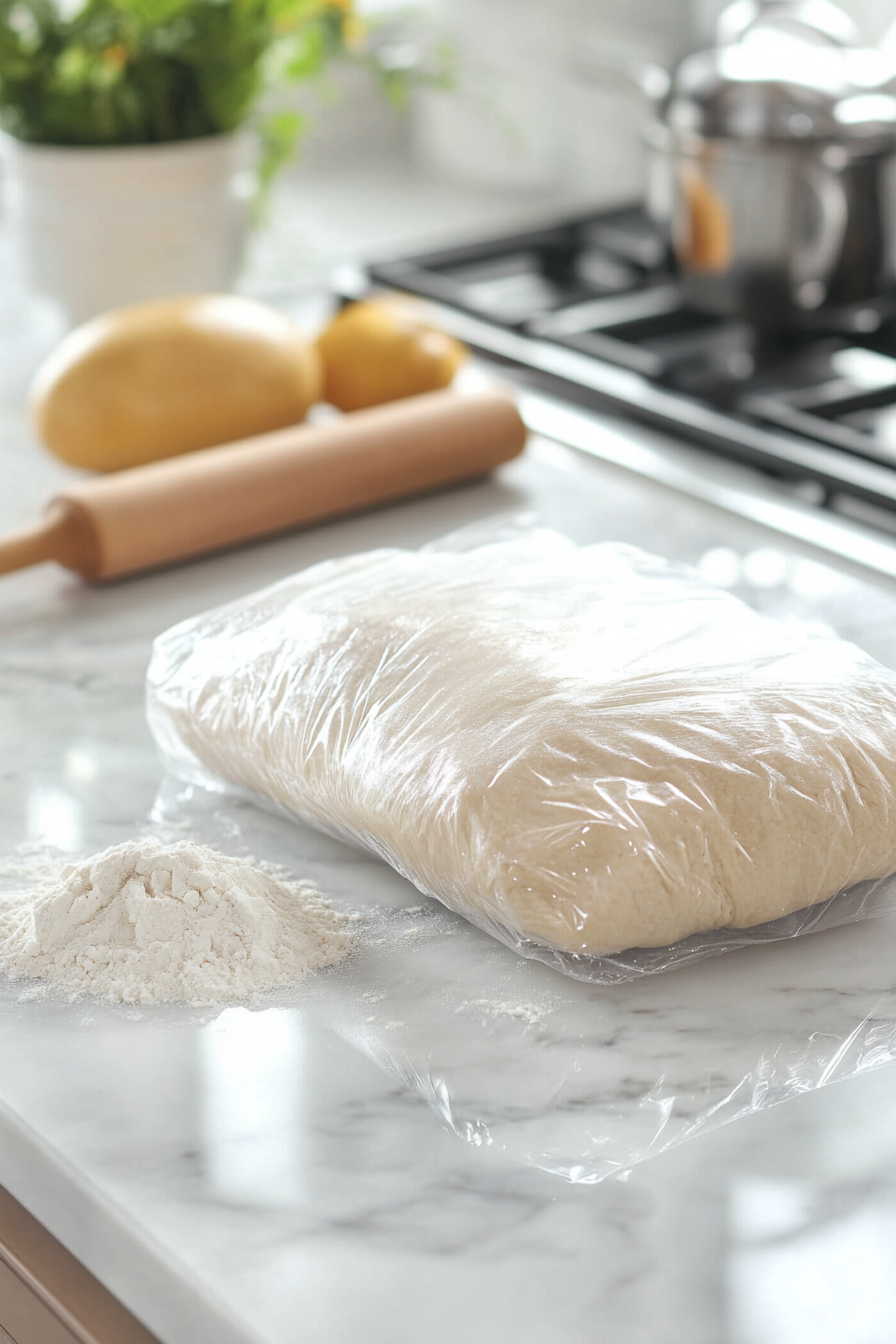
(279, 135)
(151, 13)
(304, 53)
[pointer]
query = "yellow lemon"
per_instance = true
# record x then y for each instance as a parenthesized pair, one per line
(170, 376)
(383, 349)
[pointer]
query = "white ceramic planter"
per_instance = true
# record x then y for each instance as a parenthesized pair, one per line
(102, 227)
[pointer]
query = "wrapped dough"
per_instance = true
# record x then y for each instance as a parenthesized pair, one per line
(578, 748)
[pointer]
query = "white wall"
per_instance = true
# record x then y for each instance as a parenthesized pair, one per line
(548, 102)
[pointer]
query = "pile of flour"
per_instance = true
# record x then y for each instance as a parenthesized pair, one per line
(145, 922)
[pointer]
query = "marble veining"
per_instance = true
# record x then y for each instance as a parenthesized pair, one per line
(294, 1171)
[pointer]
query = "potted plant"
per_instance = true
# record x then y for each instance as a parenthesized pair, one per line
(138, 133)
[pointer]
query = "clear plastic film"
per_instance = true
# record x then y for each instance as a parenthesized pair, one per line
(591, 754)
(584, 1081)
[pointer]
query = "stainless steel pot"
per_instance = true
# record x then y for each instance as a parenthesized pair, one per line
(774, 156)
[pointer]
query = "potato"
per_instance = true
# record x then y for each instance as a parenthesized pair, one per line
(170, 376)
(384, 349)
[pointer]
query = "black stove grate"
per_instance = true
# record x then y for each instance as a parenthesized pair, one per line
(568, 305)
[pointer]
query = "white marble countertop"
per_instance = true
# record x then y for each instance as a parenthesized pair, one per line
(265, 1177)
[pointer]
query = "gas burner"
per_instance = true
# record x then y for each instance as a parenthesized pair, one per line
(591, 308)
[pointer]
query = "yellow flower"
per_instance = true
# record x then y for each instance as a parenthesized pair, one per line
(354, 32)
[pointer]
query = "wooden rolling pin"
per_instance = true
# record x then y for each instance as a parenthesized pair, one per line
(205, 501)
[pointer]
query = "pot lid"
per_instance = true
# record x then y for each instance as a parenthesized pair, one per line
(785, 70)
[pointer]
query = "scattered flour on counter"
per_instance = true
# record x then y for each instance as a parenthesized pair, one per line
(532, 1014)
(146, 922)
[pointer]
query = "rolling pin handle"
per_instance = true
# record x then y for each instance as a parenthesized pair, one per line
(33, 546)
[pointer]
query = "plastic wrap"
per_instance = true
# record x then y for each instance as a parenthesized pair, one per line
(581, 1080)
(591, 754)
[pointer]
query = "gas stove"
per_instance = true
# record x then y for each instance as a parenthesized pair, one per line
(587, 315)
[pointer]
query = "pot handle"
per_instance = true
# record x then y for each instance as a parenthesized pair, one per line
(814, 258)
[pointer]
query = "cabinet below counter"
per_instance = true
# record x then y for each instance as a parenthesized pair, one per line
(47, 1296)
